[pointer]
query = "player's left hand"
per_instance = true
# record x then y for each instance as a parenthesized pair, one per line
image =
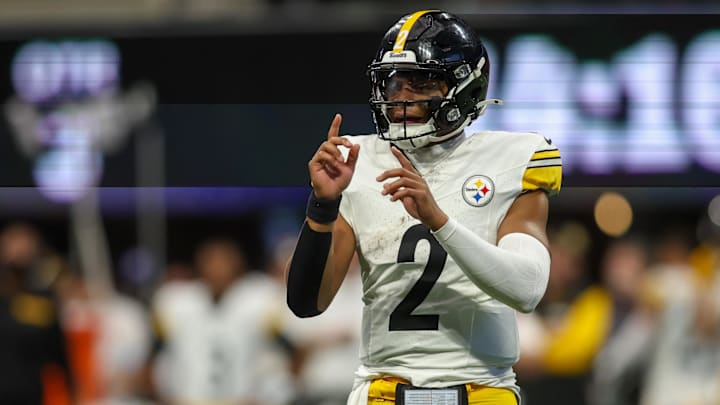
(413, 191)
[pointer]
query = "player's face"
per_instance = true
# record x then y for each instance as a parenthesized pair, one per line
(219, 263)
(412, 86)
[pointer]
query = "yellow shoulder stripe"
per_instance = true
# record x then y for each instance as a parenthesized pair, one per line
(546, 154)
(405, 30)
(547, 178)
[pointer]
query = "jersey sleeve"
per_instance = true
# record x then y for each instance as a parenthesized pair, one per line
(544, 169)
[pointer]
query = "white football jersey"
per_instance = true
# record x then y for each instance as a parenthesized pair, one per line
(220, 352)
(423, 319)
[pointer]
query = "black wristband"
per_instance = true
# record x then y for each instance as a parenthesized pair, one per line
(322, 211)
(306, 271)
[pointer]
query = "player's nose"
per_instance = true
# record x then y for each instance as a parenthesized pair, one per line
(407, 93)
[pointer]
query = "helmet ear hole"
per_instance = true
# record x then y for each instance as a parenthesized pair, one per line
(448, 116)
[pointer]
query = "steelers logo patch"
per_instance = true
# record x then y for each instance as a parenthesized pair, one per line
(478, 190)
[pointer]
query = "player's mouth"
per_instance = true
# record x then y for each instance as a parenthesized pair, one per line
(409, 119)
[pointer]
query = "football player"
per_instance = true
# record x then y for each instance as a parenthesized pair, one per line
(449, 227)
(210, 331)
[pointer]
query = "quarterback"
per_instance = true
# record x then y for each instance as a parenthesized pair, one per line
(449, 226)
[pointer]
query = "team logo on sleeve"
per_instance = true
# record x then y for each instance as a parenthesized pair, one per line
(478, 190)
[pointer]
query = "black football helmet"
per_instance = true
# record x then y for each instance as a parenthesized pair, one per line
(429, 46)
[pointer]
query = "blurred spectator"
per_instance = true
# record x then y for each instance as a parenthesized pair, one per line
(671, 274)
(109, 341)
(594, 334)
(33, 359)
(685, 367)
(560, 339)
(328, 345)
(81, 325)
(619, 367)
(325, 349)
(217, 342)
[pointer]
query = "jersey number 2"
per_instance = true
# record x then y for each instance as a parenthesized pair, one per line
(402, 318)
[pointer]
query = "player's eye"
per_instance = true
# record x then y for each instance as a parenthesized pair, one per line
(425, 85)
(419, 82)
(392, 86)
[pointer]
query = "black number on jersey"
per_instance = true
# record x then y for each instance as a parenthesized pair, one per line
(402, 318)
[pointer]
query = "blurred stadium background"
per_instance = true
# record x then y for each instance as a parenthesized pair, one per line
(154, 154)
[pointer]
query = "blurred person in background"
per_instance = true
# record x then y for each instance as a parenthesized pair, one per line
(281, 250)
(569, 275)
(558, 341)
(109, 340)
(449, 228)
(589, 341)
(81, 324)
(215, 334)
(629, 323)
(323, 350)
(33, 359)
(671, 275)
(328, 345)
(685, 364)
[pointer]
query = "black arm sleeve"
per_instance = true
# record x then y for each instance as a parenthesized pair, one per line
(306, 271)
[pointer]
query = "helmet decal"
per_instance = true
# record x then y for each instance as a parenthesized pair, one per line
(405, 30)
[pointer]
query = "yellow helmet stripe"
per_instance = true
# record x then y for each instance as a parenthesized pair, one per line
(405, 30)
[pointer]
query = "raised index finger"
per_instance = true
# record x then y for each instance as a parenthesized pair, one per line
(404, 162)
(335, 127)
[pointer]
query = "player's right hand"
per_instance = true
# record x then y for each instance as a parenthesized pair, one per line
(330, 173)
